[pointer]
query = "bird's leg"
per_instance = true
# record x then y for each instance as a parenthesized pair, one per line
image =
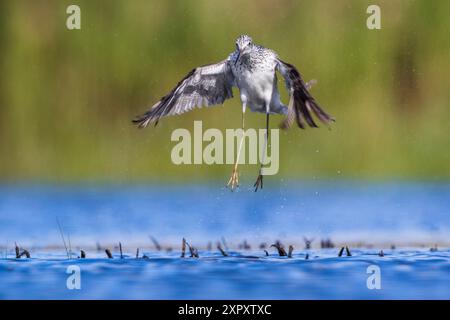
(234, 179)
(259, 180)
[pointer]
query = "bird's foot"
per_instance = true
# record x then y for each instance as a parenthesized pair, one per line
(233, 183)
(259, 182)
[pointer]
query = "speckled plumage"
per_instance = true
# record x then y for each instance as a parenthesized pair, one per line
(259, 58)
(251, 68)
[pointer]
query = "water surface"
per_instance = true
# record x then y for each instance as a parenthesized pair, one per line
(412, 216)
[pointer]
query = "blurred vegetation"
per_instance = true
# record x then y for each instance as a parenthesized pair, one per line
(67, 97)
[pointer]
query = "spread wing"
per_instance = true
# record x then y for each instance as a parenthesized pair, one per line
(203, 86)
(301, 104)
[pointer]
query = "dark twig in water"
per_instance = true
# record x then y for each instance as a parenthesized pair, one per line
(183, 248)
(279, 247)
(341, 252)
(155, 243)
(21, 254)
(291, 249)
(307, 256)
(137, 253)
(62, 236)
(381, 253)
(145, 257)
(348, 252)
(326, 243)
(24, 253)
(17, 251)
(193, 251)
(120, 249)
(82, 254)
(108, 254)
(308, 242)
(219, 247)
(267, 253)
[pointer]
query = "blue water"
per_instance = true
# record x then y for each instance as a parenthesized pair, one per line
(367, 217)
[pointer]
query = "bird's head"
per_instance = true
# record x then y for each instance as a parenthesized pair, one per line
(243, 42)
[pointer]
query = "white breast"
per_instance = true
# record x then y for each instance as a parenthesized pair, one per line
(255, 77)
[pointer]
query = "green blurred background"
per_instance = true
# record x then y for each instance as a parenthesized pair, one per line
(67, 97)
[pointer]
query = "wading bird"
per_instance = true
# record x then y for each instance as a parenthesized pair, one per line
(252, 69)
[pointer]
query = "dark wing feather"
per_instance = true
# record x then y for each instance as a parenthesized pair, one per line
(203, 86)
(291, 115)
(301, 103)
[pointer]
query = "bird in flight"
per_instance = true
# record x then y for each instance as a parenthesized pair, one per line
(252, 69)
